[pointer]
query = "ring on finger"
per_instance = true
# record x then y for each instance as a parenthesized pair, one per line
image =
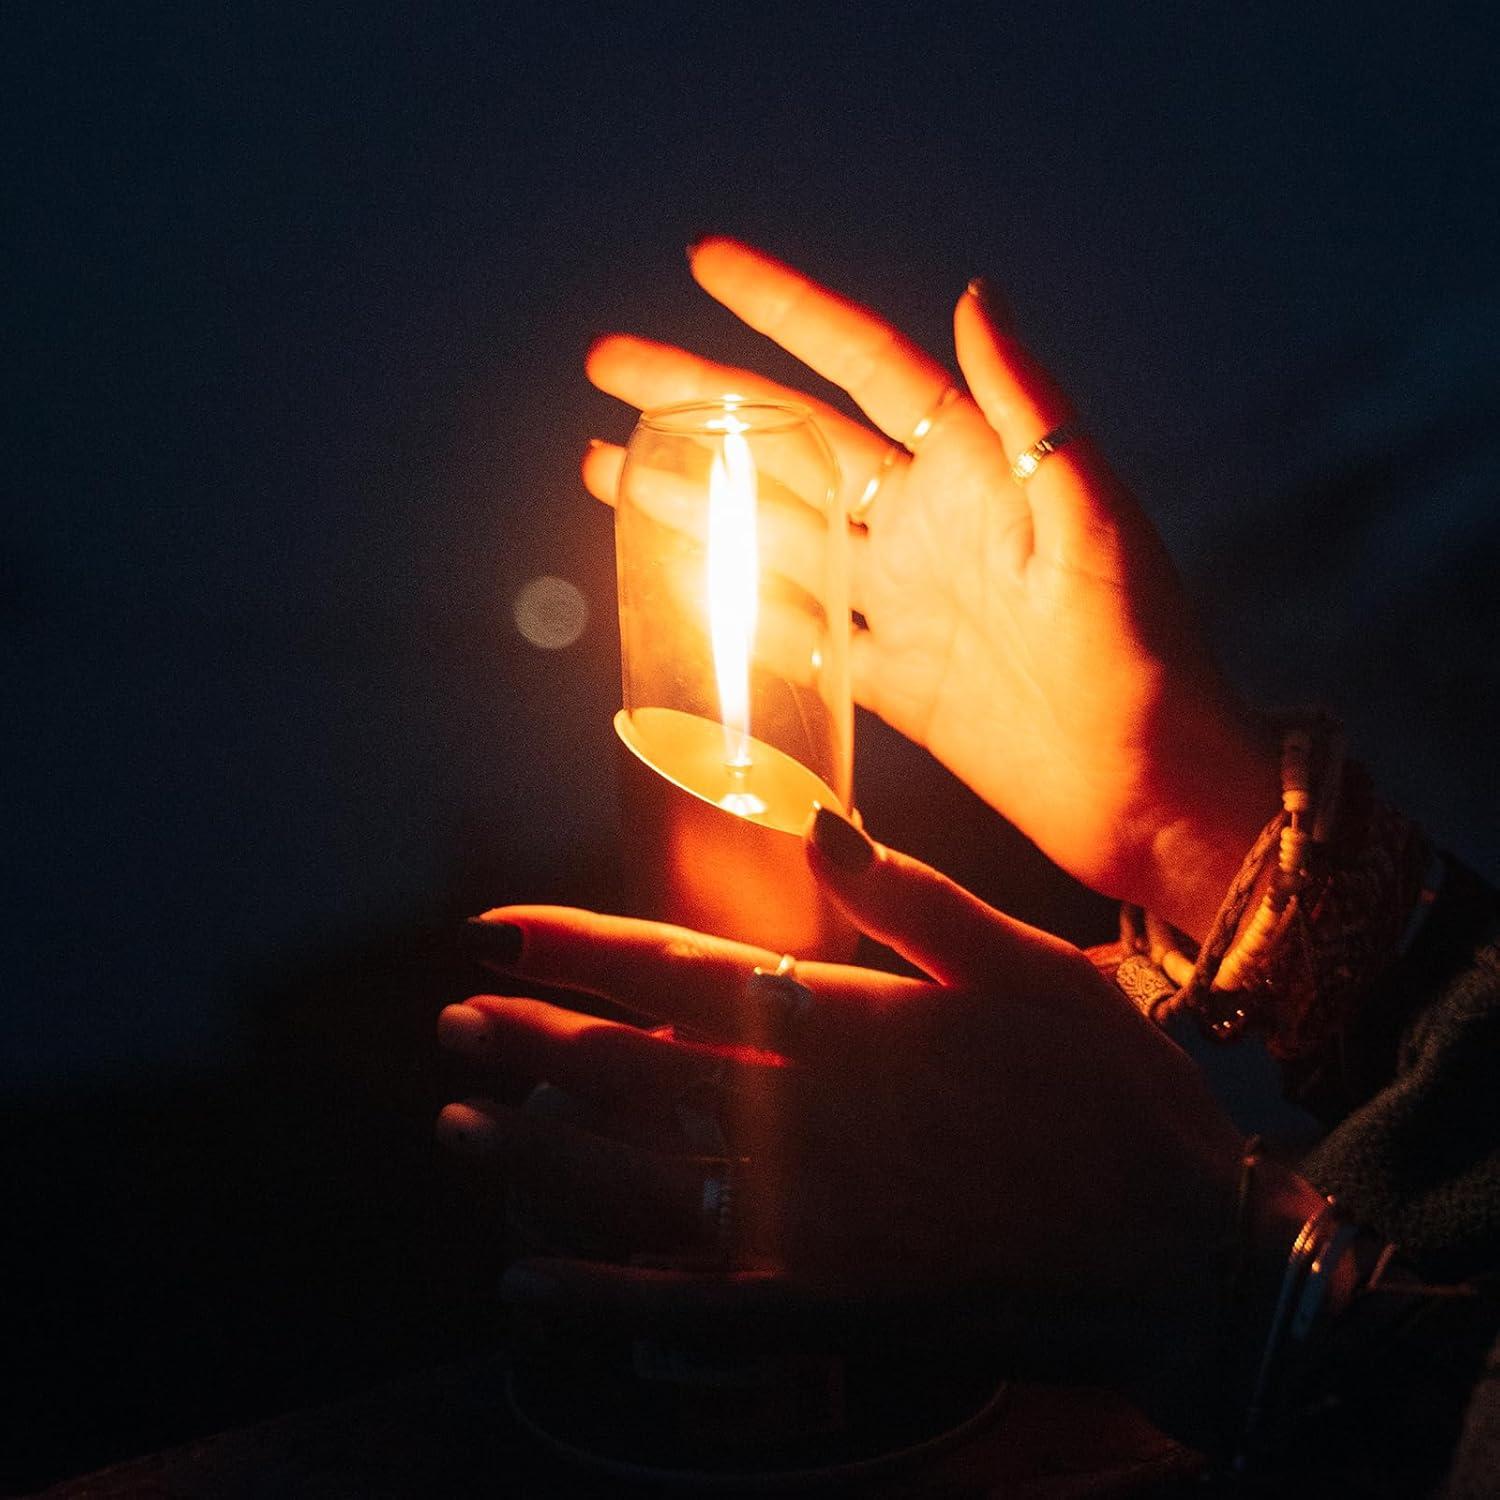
(861, 507)
(928, 420)
(1029, 460)
(925, 423)
(788, 1001)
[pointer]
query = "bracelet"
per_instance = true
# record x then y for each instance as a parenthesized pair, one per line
(1339, 876)
(1308, 1266)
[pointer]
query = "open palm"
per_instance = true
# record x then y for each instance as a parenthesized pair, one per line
(1034, 638)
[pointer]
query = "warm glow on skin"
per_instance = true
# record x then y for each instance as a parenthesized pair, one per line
(733, 579)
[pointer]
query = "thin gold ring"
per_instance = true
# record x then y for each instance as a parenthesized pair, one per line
(784, 1000)
(929, 418)
(861, 507)
(925, 423)
(1029, 460)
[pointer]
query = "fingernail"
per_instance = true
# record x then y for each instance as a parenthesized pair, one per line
(696, 244)
(595, 443)
(523, 1283)
(991, 303)
(497, 943)
(844, 846)
(460, 1027)
(462, 1128)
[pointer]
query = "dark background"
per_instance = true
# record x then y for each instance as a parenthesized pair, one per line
(296, 302)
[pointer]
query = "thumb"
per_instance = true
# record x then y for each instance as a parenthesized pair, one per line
(927, 918)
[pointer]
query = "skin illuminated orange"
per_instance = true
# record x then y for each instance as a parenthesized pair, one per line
(1035, 639)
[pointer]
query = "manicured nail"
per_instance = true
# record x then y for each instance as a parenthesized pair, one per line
(844, 846)
(991, 303)
(462, 1027)
(497, 943)
(523, 1283)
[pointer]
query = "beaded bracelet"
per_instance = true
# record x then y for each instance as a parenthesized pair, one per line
(1339, 875)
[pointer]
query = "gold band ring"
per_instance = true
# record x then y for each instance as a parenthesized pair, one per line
(861, 507)
(928, 420)
(1029, 460)
(786, 1002)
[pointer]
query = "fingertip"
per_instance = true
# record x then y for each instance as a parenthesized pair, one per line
(493, 940)
(599, 355)
(982, 296)
(600, 469)
(461, 1027)
(835, 839)
(715, 254)
(467, 1127)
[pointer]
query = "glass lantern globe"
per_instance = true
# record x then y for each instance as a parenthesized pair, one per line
(732, 557)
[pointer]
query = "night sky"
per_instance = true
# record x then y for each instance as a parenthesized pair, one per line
(297, 299)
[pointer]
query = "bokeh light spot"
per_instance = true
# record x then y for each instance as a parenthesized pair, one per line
(550, 612)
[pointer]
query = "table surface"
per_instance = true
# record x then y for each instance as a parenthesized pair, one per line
(450, 1432)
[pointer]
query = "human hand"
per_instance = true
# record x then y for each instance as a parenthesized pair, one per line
(1009, 1133)
(1034, 638)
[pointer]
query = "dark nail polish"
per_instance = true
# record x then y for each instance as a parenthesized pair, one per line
(843, 845)
(991, 303)
(696, 244)
(497, 943)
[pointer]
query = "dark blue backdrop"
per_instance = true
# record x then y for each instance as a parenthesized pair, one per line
(297, 302)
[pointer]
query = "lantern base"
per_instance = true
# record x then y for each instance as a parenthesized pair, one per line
(690, 1414)
(690, 861)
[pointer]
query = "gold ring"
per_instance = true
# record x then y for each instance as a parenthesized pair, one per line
(926, 422)
(1029, 460)
(783, 1000)
(861, 507)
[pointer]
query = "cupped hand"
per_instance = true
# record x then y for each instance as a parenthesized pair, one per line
(1034, 638)
(1008, 1129)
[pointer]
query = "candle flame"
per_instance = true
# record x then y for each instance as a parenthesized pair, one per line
(733, 580)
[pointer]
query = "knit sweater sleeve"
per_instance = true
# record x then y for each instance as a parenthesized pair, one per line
(1418, 1156)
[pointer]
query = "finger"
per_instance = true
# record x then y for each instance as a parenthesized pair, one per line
(671, 973)
(945, 930)
(601, 467)
(621, 1067)
(791, 535)
(893, 381)
(605, 1060)
(648, 374)
(790, 540)
(1075, 500)
(639, 1197)
(690, 978)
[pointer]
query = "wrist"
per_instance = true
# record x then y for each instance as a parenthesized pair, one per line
(1225, 795)
(1205, 1371)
